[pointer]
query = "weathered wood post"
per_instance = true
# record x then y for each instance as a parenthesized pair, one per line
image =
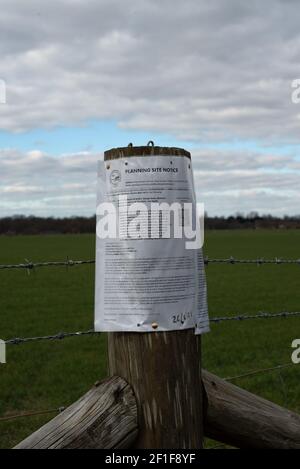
(164, 368)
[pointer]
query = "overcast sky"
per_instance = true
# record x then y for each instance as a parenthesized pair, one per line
(86, 75)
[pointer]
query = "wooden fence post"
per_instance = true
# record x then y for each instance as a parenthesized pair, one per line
(163, 368)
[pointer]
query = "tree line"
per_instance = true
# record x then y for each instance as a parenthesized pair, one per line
(32, 225)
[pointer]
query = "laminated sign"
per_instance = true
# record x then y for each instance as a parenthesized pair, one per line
(149, 264)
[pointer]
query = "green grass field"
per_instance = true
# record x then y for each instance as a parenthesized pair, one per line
(49, 375)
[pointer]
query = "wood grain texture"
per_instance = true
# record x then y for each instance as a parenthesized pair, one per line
(104, 418)
(244, 420)
(164, 369)
(126, 152)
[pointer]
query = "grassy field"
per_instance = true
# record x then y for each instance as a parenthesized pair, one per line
(49, 375)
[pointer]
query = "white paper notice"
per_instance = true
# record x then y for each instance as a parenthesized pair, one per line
(146, 280)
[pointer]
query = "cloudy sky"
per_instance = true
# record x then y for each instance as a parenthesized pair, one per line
(214, 77)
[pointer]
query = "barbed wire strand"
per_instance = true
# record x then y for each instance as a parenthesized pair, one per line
(64, 335)
(258, 261)
(58, 336)
(70, 263)
(259, 371)
(260, 315)
(31, 414)
(33, 265)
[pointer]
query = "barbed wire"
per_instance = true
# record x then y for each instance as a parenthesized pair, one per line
(31, 413)
(259, 371)
(58, 336)
(64, 335)
(258, 261)
(260, 315)
(33, 265)
(207, 260)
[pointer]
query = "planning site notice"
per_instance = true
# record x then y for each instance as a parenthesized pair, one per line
(149, 264)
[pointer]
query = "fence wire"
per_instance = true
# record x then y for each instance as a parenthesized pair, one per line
(34, 265)
(64, 335)
(58, 336)
(259, 261)
(259, 371)
(260, 315)
(207, 260)
(31, 413)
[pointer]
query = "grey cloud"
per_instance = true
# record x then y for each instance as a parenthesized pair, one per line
(198, 70)
(35, 182)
